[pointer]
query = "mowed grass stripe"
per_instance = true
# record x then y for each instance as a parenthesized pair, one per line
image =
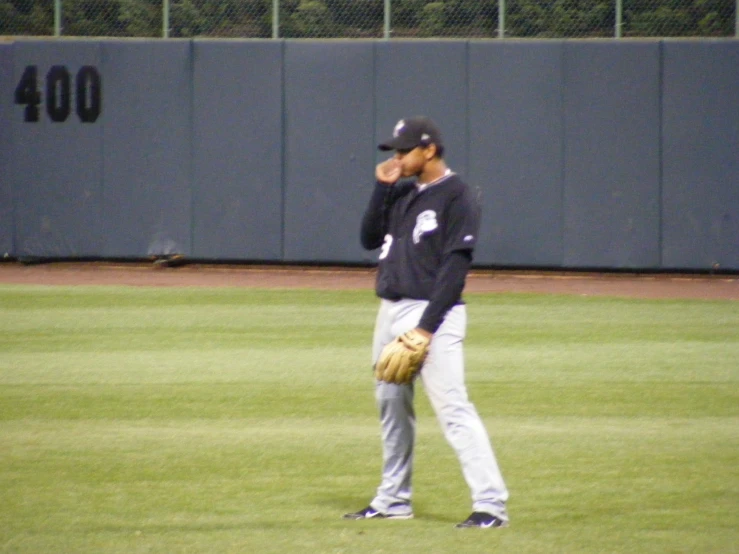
(253, 400)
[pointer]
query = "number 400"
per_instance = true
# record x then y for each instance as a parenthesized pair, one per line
(58, 97)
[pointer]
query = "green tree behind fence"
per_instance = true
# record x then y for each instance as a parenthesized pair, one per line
(369, 19)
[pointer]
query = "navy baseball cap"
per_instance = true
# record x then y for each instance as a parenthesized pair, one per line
(412, 132)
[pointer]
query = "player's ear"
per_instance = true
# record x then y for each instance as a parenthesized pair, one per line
(429, 152)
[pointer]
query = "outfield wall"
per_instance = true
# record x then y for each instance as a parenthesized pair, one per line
(589, 154)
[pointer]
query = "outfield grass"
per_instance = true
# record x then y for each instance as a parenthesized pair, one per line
(240, 420)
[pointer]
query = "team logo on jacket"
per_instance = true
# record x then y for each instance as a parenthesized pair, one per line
(425, 223)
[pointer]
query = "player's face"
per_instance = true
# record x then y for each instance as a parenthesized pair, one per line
(412, 161)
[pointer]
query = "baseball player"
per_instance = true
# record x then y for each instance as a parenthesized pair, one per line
(426, 229)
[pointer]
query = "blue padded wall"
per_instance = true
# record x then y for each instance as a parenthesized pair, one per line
(57, 165)
(588, 154)
(8, 112)
(515, 149)
(700, 133)
(237, 150)
(329, 151)
(147, 131)
(612, 163)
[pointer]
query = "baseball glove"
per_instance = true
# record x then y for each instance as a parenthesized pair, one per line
(401, 359)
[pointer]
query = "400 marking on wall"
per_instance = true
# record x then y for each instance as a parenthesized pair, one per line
(58, 94)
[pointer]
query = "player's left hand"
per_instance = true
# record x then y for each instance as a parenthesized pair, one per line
(402, 358)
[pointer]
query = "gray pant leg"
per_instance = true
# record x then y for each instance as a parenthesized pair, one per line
(397, 415)
(398, 420)
(443, 381)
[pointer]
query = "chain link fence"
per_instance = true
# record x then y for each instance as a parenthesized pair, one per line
(371, 18)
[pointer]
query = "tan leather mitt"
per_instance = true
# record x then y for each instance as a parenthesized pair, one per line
(402, 358)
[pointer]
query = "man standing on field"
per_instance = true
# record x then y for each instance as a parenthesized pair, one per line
(426, 229)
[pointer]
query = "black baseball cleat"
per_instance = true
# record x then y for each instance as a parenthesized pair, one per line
(370, 513)
(482, 520)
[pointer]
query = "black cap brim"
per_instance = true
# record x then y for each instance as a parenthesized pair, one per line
(398, 143)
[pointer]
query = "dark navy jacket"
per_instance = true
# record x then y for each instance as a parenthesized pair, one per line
(426, 238)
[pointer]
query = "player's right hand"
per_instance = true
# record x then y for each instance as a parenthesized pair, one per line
(388, 172)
